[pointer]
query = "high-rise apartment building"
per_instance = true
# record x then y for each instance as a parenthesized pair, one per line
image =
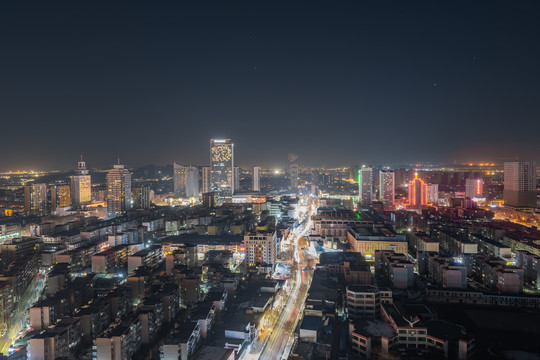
(81, 186)
(293, 176)
(206, 179)
(256, 179)
(520, 184)
(60, 196)
(192, 181)
(222, 165)
(365, 185)
(35, 199)
(474, 188)
(179, 180)
(432, 193)
(261, 248)
(118, 191)
(387, 187)
(140, 196)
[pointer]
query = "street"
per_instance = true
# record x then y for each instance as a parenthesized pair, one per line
(272, 343)
(19, 319)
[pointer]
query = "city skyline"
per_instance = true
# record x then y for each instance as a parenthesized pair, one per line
(261, 180)
(463, 89)
(281, 164)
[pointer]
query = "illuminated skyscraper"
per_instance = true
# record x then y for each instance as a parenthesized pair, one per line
(520, 184)
(192, 181)
(293, 174)
(35, 199)
(118, 191)
(387, 187)
(179, 179)
(474, 188)
(81, 186)
(256, 179)
(206, 179)
(365, 185)
(417, 192)
(222, 164)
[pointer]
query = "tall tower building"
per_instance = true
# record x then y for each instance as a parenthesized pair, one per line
(222, 164)
(118, 191)
(520, 184)
(81, 186)
(365, 185)
(206, 179)
(179, 179)
(387, 187)
(256, 179)
(35, 199)
(474, 188)
(293, 174)
(417, 192)
(192, 181)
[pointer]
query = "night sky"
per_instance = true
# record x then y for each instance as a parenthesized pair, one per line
(335, 82)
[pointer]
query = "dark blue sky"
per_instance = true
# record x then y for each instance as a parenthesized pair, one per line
(336, 83)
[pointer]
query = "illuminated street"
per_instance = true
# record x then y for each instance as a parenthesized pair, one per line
(274, 340)
(19, 319)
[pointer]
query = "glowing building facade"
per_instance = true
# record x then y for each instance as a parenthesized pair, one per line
(222, 168)
(81, 186)
(417, 192)
(474, 188)
(118, 191)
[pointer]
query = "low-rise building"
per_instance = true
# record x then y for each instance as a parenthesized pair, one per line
(367, 240)
(365, 301)
(395, 267)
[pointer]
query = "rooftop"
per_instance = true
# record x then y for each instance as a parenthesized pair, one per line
(371, 327)
(311, 322)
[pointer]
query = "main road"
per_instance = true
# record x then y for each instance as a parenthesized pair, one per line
(18, 322)
(273, 342)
